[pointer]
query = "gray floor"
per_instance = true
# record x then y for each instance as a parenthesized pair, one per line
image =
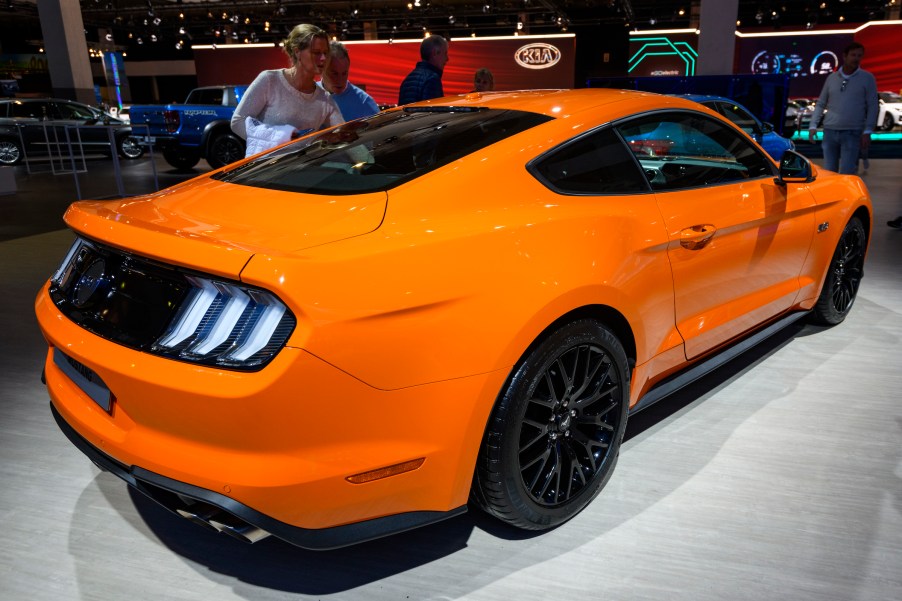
(779, 477)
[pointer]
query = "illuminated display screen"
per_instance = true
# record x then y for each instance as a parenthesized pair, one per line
(664, 55)
(807, 60)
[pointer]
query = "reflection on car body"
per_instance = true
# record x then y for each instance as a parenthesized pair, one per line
(457, 302)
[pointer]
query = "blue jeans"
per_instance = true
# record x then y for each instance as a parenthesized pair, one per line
(841, 148)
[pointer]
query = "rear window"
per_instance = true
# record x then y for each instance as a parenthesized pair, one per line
(382, 151)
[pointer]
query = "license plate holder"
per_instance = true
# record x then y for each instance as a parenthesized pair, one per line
(85, 378)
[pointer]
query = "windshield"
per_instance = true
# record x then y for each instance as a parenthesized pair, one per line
(382, 151)
(890, 97)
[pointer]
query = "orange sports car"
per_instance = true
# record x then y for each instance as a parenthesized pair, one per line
(458, 301)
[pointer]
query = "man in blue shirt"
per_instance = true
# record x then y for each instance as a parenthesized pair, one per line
(353, 102)
(425, 81)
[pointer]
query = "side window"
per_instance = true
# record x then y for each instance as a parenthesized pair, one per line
(208, 96)
(598, 163)
(31, 110)
(738, 115)
(74, 111)
(689, 150)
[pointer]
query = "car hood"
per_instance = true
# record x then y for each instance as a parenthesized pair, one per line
(217, 227)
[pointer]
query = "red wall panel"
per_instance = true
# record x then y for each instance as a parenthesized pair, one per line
(380, 67)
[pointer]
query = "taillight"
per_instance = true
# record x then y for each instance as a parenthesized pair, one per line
(226, 324)
(171, 119)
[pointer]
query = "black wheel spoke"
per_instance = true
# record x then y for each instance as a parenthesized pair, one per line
(569, 422)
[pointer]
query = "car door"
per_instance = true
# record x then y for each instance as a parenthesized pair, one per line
(84, 126)
(32, 118)
(737, 240)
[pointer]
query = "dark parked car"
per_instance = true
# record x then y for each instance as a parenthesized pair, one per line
(42, 124)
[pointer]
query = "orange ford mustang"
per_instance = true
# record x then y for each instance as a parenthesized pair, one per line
(461, 300)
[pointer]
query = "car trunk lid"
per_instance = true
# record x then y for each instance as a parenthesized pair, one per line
(217, 227)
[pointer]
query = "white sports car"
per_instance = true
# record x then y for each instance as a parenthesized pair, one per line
(890, 114)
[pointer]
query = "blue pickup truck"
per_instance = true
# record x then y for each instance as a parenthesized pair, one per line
(198, 129)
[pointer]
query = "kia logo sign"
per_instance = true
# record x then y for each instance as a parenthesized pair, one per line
(537, 56)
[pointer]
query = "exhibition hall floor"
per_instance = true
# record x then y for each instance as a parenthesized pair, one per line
(777, 477)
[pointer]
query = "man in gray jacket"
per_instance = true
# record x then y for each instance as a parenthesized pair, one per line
(849, 98)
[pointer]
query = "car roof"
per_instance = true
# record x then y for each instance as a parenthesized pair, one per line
(709, 97)
(560, 103)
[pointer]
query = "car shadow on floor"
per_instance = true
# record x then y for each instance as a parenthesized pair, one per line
(277, 565)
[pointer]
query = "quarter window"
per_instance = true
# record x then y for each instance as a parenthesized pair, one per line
(599, 163)
(689, 150)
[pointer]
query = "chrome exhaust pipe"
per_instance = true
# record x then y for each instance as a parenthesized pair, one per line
(240, 530)
(202, 515)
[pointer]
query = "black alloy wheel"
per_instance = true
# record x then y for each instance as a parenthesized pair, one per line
(888, 122)
(181, 158)
(10, 151)
(225, 149)
(553, 439)
(843, 275)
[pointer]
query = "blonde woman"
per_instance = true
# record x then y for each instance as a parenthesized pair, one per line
(283, 103)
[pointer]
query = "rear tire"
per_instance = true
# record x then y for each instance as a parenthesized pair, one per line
(181, 158)
(843, 276)
(130, 147)
(554, 436)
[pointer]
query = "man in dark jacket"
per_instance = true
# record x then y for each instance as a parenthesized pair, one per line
(425, 81)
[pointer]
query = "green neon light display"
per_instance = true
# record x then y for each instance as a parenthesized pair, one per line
(663, 46)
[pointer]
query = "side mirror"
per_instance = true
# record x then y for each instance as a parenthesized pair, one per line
(794, 169)
(767, 127)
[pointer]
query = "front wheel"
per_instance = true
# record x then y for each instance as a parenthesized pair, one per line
(554, 436)
(225, 149)
(181, 158)
(888, 122)
(843, 276)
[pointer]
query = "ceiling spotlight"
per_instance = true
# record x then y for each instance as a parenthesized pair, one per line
(451, 19)
(109, 37)
(181, 31)
(153, 37)
(140, 41)
(157, 20)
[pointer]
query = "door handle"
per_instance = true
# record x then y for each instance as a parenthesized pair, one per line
(697, 236)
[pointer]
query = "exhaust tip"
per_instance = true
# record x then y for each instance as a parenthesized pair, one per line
(199, 518)
(242, 531)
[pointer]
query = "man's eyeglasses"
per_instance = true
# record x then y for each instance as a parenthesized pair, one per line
(842, 88)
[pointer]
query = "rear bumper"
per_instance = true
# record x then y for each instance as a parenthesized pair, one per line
(274, 448)
(175, 496)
